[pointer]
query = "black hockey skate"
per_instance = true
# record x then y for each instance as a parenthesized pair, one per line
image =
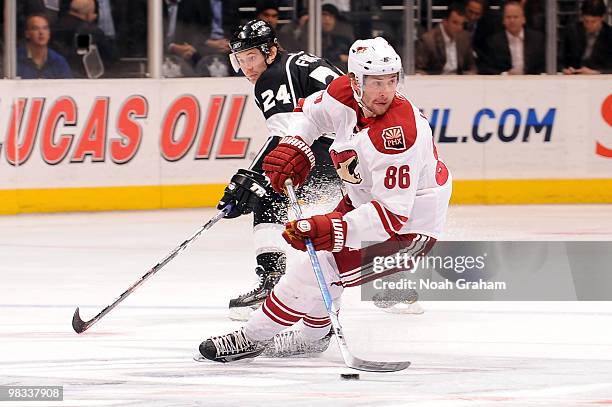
(241, 307)
(231, 347)
(292, 343)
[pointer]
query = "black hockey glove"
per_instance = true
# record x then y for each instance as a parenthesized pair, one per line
(243, 192)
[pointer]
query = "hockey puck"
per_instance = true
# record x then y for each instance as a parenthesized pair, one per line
(349, 376)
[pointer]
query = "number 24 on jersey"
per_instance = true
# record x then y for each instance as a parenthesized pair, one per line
(282, 95)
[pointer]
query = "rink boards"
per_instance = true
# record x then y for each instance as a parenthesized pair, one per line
(145, 144)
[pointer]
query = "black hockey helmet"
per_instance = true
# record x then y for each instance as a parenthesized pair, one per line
(254, 34)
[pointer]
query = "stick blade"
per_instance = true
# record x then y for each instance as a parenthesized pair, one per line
(78, 324)
(372, 366)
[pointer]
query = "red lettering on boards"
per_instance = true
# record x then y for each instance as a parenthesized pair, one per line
(53, 149)
(125, 148)
(93, 137)
(18, 153)
(185, 107)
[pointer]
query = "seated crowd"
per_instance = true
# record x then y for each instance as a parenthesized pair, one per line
(101, 38)
(473, 39)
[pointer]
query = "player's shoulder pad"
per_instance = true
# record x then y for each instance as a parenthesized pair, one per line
(396, 131)
(340, 89)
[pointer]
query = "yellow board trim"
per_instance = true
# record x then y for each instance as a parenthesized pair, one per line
(471, 192)
(532, 191)
(108, 198)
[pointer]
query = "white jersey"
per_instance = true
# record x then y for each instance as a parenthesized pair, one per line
(389, 164)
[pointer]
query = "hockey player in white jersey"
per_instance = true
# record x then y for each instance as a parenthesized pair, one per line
(397, 191)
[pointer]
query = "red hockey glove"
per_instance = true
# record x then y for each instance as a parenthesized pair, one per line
(291, 158)
(327, 232)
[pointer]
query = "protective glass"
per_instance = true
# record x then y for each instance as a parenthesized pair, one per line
(381, 84)
(241, 60)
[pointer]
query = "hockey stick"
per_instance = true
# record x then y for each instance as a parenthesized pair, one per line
(81, 326)
(350, 360)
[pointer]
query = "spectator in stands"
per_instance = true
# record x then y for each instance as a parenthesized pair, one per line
(131, 28)
(293, 36)
(342, 5)
(36, 60)
(268, 11)
(215, 59)
(196, 37)
(535, 14)
(78, 24)
(587, 44)
(481, 23)
(474, 10)
(184, 23)
(105, 18)
(28, 7)
(517, 50)
(446, 49)
(341, 27)
(336, 40)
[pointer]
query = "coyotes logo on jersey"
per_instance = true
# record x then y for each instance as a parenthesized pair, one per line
(394, 138)
(345, 162)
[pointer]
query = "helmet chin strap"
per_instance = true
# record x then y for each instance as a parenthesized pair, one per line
(360, 102)
(365, 108)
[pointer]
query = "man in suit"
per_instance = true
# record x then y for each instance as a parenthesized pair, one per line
(446, 49)
(481, 23)
(517, 50)
(587, 44)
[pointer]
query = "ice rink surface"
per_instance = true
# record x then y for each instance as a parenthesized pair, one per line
(463, 354)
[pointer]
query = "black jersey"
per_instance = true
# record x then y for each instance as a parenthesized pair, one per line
(277, 92)
(289, 78)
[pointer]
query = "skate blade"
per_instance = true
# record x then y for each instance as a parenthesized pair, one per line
(403, 308)
(243, 359)
(241, 313)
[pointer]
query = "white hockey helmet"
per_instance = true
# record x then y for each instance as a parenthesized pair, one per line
(372, 57)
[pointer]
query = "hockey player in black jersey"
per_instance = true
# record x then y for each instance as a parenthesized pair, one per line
(280, 80)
